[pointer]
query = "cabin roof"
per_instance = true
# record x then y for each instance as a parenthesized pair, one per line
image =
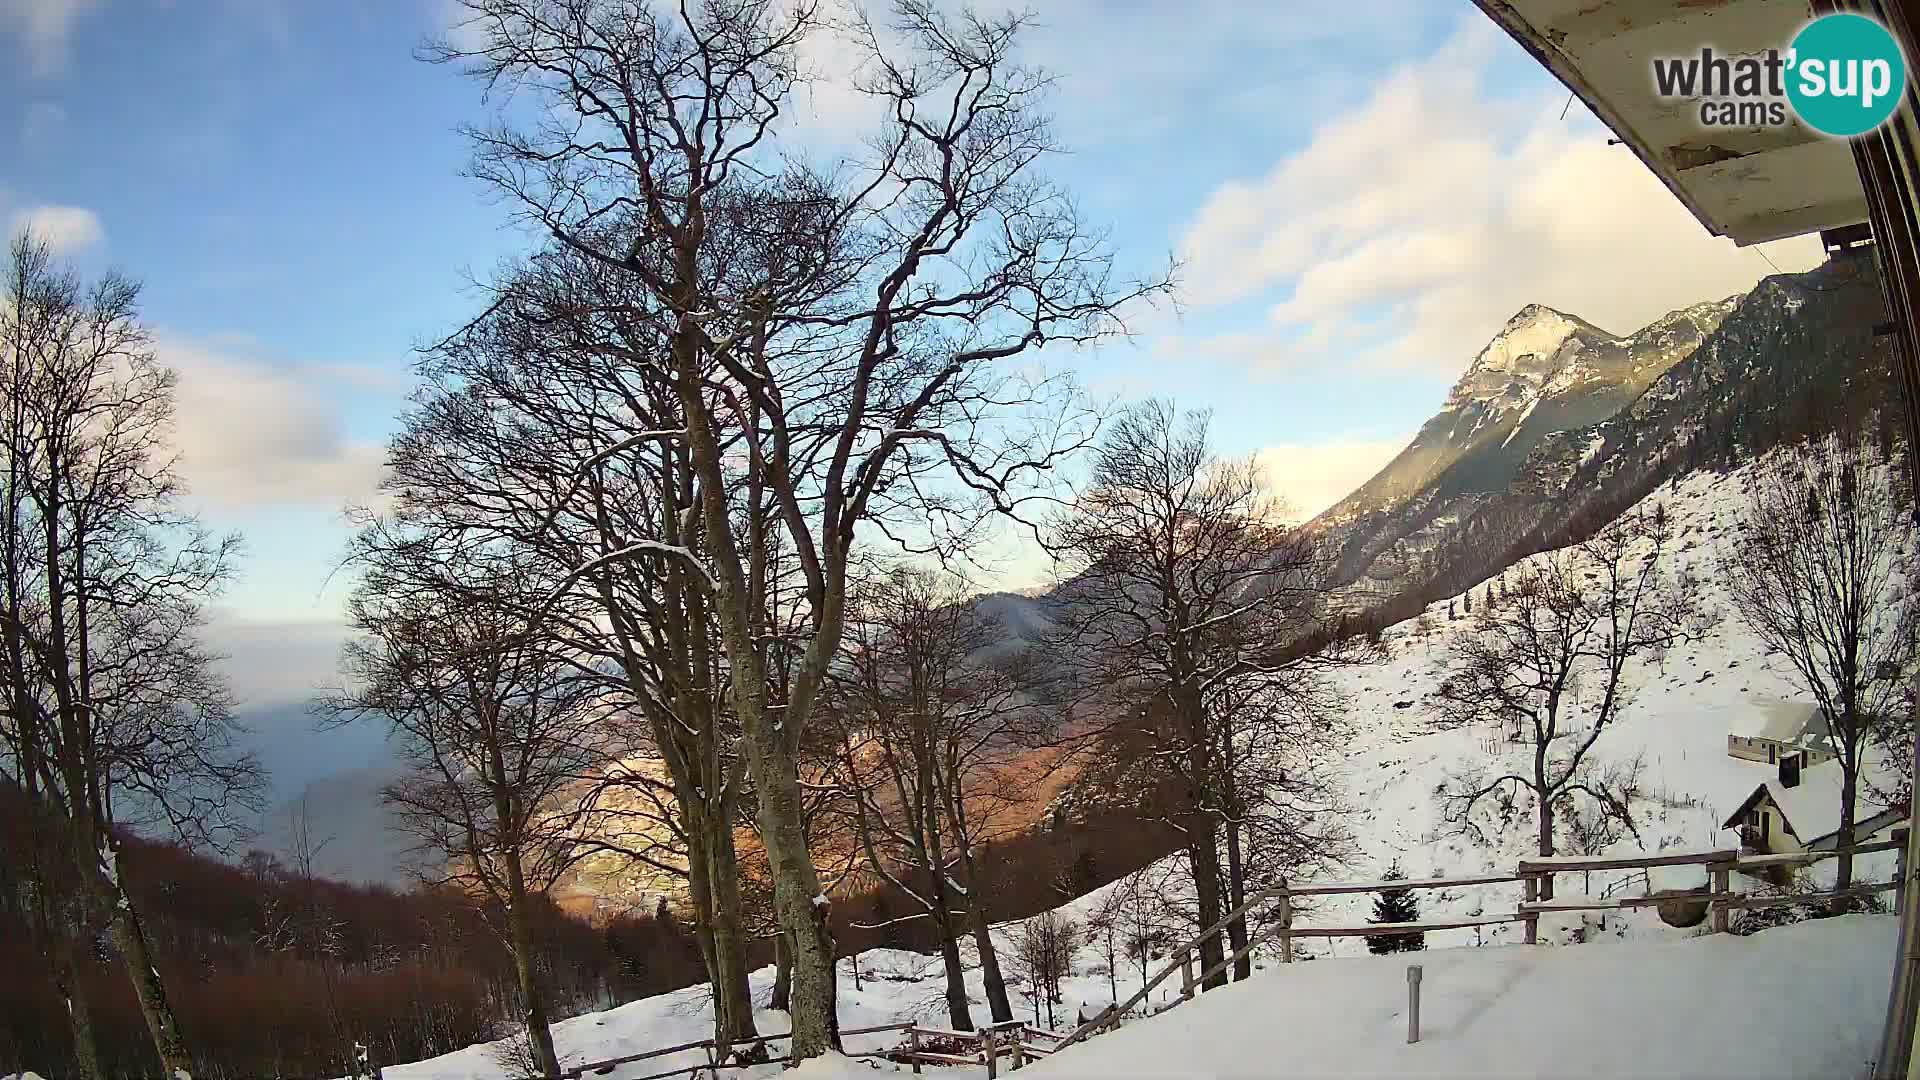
(1781, 721)
(1811, 807)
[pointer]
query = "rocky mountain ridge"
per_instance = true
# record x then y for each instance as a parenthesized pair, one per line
(1557, 423)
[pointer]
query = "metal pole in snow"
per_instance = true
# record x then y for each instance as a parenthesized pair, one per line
(1413, 1003)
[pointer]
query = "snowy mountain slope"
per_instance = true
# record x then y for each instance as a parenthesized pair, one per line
(1676, 721)
(1531, 439)
(1398, 756)
(1544, 371)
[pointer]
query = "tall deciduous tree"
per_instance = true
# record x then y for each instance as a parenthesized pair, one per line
(831, 340)
(931, 721)
(541, 433)
(1187, 593)
(1546, 667)
(1822, 573)
(498, 734)
(113, 711)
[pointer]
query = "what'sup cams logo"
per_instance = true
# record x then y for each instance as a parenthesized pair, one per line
(1842, 75)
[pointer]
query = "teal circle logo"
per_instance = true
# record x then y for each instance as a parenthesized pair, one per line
(1845, 75)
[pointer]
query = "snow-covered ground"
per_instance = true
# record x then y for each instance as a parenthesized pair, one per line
(1802, 1000)
(1805, 1000)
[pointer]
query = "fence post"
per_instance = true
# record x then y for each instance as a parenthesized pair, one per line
(1900, 875)
(913, 1048)
(1186, 973)
(1413, 1003)
(1286, 923)
(1019, 1048)
(990, 1052)
(1721, 884)
(1530, 886)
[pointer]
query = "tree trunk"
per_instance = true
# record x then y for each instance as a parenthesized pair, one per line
(782, 974)
(1236, 896)
(929, 832)
(997, 1000)
(86, 1049)
(131, 938)
(1203, 858)
(700, 893)
(732, 997)
(799, 902)
(1843, 869)
(1546, 845)
(957, 1012)
(533, 1002)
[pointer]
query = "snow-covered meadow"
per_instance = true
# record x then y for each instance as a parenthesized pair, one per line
(1796, 1000)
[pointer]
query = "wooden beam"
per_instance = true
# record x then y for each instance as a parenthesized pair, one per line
(1423, 927)
(1588, 903)
(1749, 902)
(1624, 862)
(1336, 887)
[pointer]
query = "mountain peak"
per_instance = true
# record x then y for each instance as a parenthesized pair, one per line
(1535, 331)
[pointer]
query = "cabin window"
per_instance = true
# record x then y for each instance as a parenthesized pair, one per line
(1772, 751)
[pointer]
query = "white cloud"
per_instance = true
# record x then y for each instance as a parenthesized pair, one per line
(43, 28)
(66, 229)
(457, 21)
(1314, 476)
(1436, 209)
(251, 433)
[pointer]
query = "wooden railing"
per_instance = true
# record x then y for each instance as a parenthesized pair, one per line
(1534, 876)
(1014, 1040)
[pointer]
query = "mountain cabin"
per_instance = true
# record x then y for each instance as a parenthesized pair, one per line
(1798, 809)
(1766, 731)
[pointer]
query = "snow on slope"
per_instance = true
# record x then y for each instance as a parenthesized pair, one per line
(1342, 1015)
(1801, 1000)
(1677, 721)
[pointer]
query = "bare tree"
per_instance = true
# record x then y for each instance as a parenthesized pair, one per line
(540, 437)
(1546, 666)
(930, 723)
(1189, 600)
(831, 341)
(497, 732)
(1822, 573)
(1044, 947)
(113, 713)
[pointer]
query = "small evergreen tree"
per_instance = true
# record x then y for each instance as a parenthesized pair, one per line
(1467, 599)
(1449, 611)
(1395, 906)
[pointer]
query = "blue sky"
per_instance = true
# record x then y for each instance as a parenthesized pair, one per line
(1361, 193)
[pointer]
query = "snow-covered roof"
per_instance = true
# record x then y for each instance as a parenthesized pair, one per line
(1781, 721)
(1812, 807)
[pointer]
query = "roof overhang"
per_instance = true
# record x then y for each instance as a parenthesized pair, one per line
(1750, 184)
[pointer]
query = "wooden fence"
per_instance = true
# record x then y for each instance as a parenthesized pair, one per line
(1534, 875)
(1014, 1041)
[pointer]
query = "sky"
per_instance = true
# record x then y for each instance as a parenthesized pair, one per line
(1360, 195)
